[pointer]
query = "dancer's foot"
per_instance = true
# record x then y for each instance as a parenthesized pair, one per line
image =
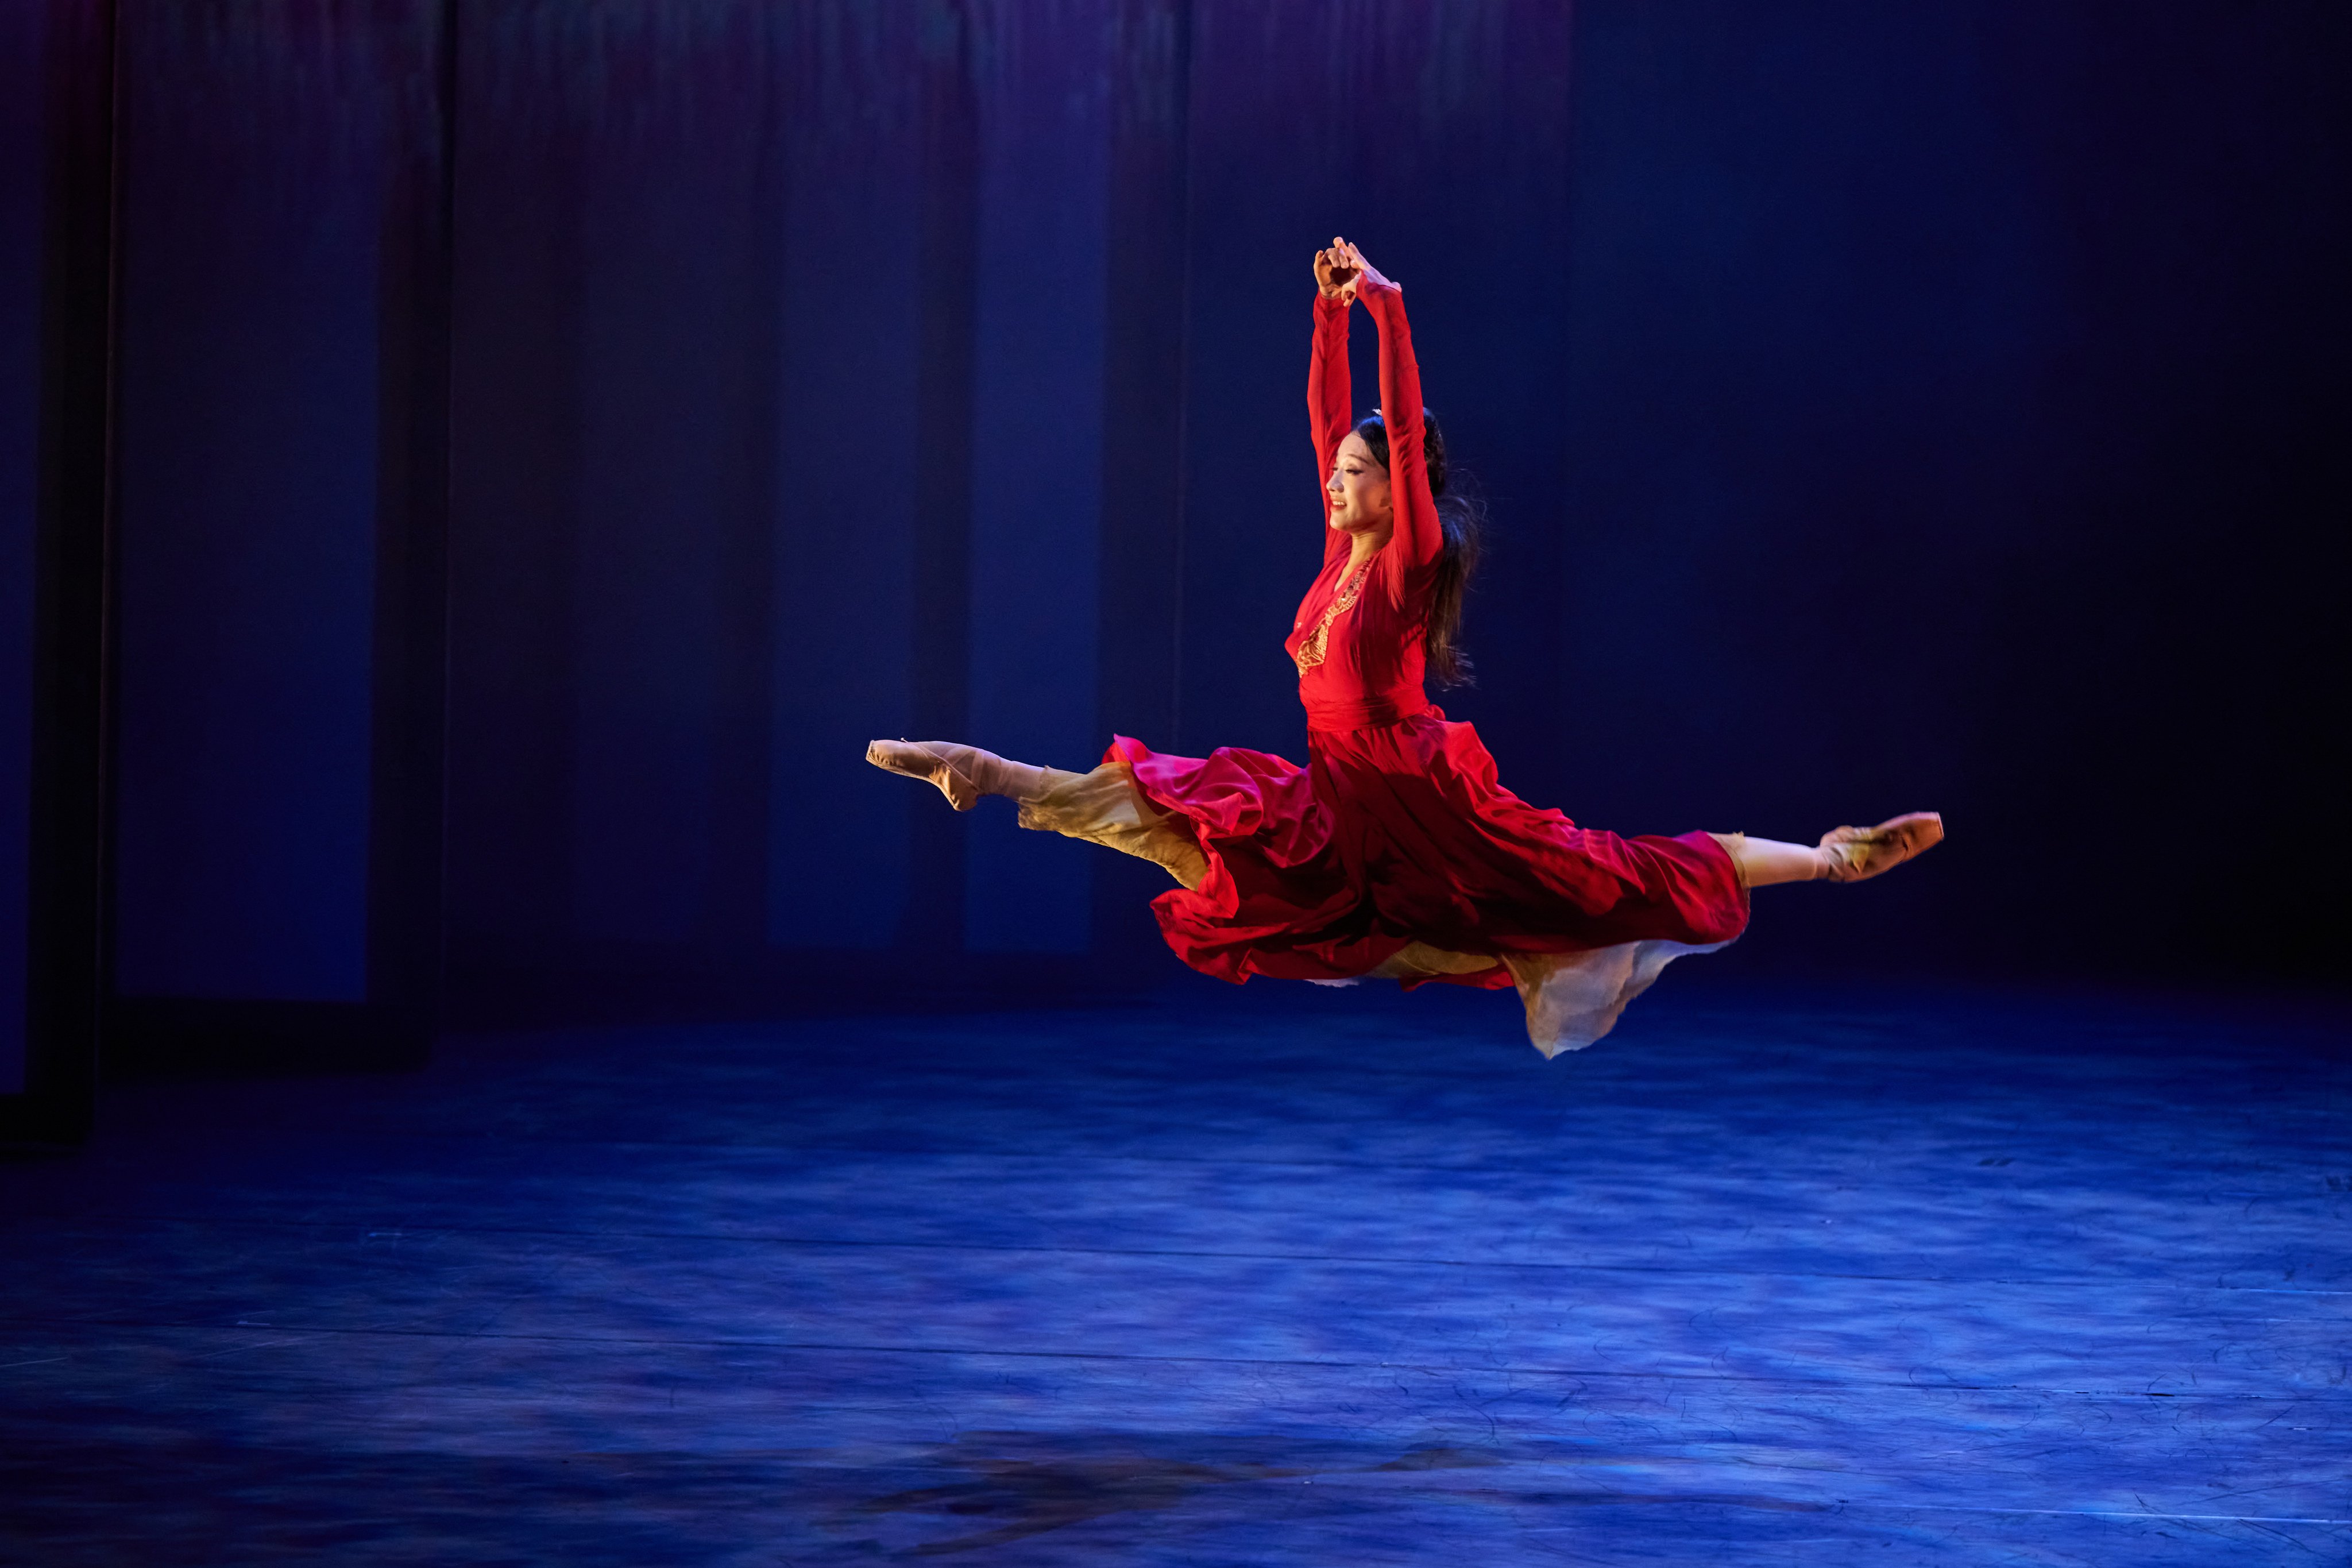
(939, 763)
(963, 773)
(1854, 853)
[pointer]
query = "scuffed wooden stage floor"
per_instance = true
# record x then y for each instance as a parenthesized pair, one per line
(1255, 1278)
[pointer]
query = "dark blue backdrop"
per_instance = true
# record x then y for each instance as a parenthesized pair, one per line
(1954, 409)
(1882, 408)
(1938, 405)
(248, 462)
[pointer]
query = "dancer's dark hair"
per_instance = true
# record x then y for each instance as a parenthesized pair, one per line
(1460, 515)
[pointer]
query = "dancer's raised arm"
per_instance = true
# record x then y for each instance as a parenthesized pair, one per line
(1419, 539)
(1329, 410)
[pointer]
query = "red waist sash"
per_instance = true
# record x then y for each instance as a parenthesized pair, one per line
(1369, 711)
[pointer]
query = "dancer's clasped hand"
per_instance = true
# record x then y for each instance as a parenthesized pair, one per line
(1340, 269)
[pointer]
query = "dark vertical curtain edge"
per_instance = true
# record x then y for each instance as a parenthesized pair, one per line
(72, 528)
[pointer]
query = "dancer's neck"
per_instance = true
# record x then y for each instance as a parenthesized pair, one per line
(1361, 548)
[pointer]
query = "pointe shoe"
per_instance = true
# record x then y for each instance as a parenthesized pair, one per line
(953, 768)
(1855, 854)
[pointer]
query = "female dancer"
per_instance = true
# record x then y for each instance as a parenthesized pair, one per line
(1395, 854)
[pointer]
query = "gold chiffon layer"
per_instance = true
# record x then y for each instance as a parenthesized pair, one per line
(1105, 807)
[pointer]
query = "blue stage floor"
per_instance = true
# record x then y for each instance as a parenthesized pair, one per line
(1267, 1276)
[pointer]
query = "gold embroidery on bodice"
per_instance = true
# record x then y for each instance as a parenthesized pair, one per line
(1311, 651)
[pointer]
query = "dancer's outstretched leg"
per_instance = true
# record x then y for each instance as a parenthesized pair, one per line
(1102, 808)
(1843, 855)
(963, 773)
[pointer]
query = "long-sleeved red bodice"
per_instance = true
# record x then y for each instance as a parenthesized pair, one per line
(1397, 834)
(1371, 668)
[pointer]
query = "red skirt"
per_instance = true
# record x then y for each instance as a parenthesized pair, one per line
(1402, 835)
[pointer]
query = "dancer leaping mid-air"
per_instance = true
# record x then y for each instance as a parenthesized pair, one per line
(1394, 853)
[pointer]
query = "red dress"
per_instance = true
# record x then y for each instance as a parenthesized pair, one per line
(1397, 832)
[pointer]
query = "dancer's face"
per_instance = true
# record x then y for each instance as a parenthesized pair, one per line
(1357, 491)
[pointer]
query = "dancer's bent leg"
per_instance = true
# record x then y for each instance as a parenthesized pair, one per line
(1843, 855)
